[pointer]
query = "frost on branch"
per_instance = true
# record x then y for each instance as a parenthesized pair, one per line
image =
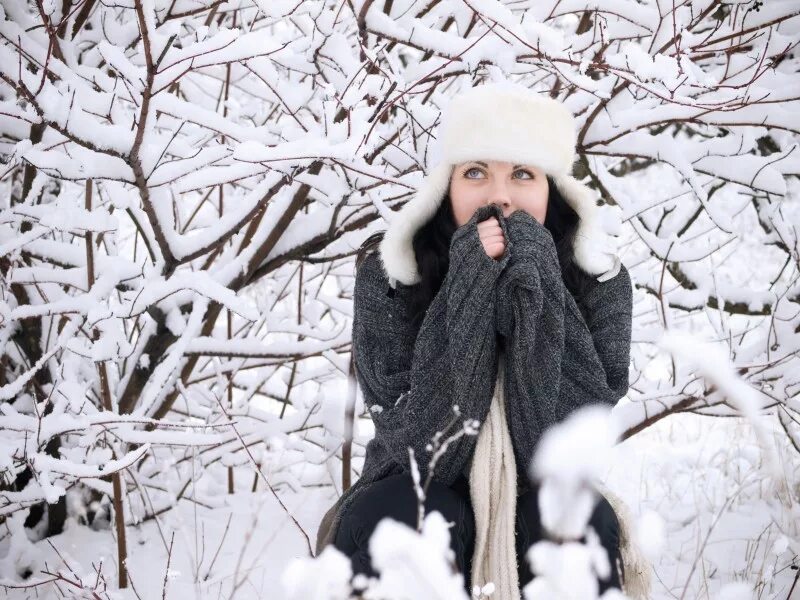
(184, 185)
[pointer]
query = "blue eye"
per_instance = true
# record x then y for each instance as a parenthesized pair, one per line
(524, 171)
(466, 173)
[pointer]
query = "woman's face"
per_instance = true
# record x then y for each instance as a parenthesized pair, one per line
(512, 187)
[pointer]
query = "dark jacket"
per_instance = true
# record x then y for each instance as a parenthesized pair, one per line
(560, 355)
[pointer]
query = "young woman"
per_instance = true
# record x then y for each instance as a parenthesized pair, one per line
(495, 289)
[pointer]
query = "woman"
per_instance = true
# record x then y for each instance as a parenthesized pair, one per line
(494, 290)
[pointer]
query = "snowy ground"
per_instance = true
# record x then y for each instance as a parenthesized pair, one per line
(696, 473)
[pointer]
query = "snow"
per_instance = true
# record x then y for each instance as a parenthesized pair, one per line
(687, 117)
(566, 571)
(325, 578)
(696, 448)
(572, 454)
(415, 565)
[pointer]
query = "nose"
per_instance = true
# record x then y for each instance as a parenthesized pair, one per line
(499, 194)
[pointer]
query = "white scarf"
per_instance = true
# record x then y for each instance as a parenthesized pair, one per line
(493, 492)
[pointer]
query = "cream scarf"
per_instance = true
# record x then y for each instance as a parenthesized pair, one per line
(493, 492)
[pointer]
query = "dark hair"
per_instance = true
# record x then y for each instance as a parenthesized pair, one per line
(432, 244)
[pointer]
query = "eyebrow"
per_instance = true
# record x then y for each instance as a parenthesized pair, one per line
(483, 164)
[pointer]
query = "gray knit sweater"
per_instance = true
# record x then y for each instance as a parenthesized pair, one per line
(559, 355)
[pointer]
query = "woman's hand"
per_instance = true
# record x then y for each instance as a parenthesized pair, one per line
(483, 242)
(492, 238)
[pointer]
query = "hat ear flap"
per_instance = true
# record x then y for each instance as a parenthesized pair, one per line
(397, 247)
(595, 246)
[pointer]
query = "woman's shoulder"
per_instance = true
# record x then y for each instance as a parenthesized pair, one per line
(620, 283)
(393, 305)
(370, 271)
(604, 298)
(377, 301)
(373, 281)
(371, 245)
(369, 265)
(591, 284)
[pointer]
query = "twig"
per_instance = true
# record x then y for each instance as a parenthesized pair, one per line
(258, 470)
(166, 572)
(717, 517)
(216, 554)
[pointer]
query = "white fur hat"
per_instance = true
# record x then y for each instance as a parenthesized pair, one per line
(506, 122)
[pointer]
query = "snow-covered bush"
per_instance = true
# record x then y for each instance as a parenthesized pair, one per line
(185, 183)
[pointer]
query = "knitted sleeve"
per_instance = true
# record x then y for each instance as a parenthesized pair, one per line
(608, 313)
(558, 367)
(530, 312)
(411, 380)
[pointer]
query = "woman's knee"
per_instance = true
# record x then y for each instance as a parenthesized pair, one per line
(394, 497)
(528, 517)
(606, 524)
(605, 521)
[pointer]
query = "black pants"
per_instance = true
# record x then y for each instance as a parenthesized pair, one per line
(394, 497)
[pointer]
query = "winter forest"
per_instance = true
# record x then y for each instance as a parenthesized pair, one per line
(184, 185)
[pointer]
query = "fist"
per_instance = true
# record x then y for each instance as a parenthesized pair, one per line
(492, 238)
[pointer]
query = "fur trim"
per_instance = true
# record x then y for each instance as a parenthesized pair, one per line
(595, 249)
(396, 249)
(509, 122)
